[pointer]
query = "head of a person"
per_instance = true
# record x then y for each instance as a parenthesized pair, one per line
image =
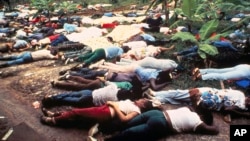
(27, 29)
(164, 76)
(110, 39)
(204, 113)
(125, 48)
(247, 102)
(145, 104)
(34, 42)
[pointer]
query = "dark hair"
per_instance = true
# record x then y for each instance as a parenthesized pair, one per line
(150, 106)
(110, 39)
(205, 114)
(53, 51)
(164, 76)
(125, 48)
(124, 94)
(247, 102)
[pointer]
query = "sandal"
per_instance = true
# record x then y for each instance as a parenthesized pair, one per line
(48, 113)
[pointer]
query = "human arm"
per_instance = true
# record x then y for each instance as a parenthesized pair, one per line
(156, 86)
(236, 111)
(134, 57)
(207, 129)
(25, 48)
(120, 114)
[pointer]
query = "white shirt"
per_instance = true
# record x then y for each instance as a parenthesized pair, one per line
(184, 120)
(127, 106)
(42, 54)
(107, 93)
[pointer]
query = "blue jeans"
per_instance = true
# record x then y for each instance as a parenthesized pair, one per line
(193, 51)
(19, 59)
(5, 30)
(81, 98)
(225, 44)
(148, 126)
(173, 96)
(238, 72)
(59, 40)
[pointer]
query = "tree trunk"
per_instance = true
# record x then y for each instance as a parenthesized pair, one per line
(166, 10)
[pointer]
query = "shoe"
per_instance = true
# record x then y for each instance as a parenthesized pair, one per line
(63, 58)
(179, 58)
(46, 112)
(63, 72)
(150, 92)
(47, 120)
(64, 77)
(146, 95)
(68, 60)
(53, 83)
(77, 67)
(91, 139)
(93, 130)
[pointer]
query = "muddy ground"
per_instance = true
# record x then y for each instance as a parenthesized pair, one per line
(22, 85)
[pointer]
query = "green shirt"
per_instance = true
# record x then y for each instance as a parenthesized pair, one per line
(124, 85)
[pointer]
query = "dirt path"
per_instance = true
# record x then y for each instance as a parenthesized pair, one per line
(18, 108)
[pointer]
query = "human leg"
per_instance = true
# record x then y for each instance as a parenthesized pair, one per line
(173, 96)
(60, 39)
(215, 70)
(162, 49)
(232, 75)
(147, 126)
(224, 44)
(95, 56)
(94, 84)
(100, 114)
(20, 59)
(188, 51)
(118, 68)
(79, 79)
(81, 98)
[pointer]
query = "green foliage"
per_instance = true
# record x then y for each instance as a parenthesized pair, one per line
(208, 28)
(205, 49)
(43, 4)
(184, 36)
(189, 7)
(67, 6)
(205, 32)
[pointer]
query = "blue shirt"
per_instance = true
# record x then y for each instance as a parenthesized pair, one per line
(146, 74)
(20, 44)
(112, 52)
(148, 37)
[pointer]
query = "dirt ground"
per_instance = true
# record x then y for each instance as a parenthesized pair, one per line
(22, 85)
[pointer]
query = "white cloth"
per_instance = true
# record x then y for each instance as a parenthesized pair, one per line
(42, 54)
(184, 120)
(135, 44)
(107, 93)
(128, 106)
